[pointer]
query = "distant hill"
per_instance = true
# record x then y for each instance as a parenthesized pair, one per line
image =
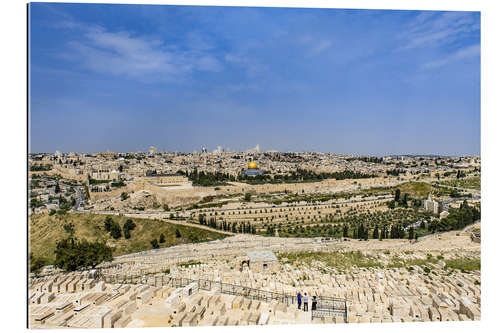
(45, 231)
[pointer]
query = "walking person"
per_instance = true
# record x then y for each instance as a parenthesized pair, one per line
(314, 303)
(299, 299)
(306, 300)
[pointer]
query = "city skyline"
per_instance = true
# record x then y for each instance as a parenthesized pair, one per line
(369, 82)
(250, 150)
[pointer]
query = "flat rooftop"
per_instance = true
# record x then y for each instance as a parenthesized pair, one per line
(262, 256)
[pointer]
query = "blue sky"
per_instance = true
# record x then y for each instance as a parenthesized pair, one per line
(125, 77)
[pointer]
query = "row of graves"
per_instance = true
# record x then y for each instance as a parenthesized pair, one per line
(81, 301)
(205, 294)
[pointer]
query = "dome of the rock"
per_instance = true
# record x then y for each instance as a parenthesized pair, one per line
(252, 165)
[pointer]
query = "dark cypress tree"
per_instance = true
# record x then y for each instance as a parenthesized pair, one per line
(116, 231)
(411, 233)
(107, 223)
(375, 232)
(363, 232)
(397, 195)
(154, 243)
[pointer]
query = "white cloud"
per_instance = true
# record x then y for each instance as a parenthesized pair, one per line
(252, 67)
(321, 46)
(435, 29)
(315, 45)
(135, 57)
(463, 53)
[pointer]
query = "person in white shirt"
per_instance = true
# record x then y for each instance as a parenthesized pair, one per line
(306, 302)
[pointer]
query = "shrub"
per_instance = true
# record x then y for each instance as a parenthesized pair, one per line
(72, 254)
(129, 225)
(154, 244)
(116, 231)
(108, 222)
(36, 263)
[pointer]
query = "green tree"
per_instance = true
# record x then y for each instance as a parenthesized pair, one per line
(404, 202)
(397, 195)
(248, 197)
(162, 238)
(36, 263)
(116, 231)
(129, 225)
(411, 233)
(108, 222)
(72, 254)
(96, 252)
(154, 244)
(178, 233)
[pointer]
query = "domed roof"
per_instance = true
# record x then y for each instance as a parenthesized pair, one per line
(252, 165)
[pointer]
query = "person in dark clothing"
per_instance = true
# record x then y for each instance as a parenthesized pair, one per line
(299, 299)
(314, 303)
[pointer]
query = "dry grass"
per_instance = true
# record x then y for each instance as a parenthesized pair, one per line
(46, 230)
(340, 260)
(472, 183)
(414, 189)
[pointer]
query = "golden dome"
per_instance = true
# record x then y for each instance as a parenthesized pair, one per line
(252, 165)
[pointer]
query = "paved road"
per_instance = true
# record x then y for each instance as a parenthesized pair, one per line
(79, 199)
(187, 224)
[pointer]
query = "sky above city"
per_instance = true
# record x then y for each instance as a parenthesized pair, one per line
(371, 82)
